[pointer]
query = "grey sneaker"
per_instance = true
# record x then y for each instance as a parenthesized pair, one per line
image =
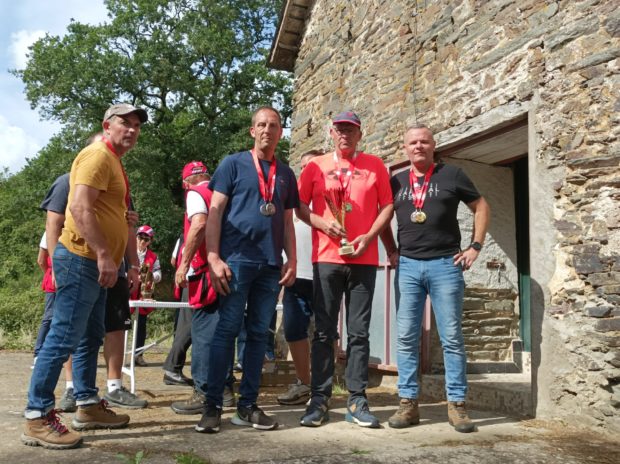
(67, 401)
(210, 420)
(316, 413)
(358, 413)
(254, 417)
(193, 405)
(228, 401)
(297, 393)
(123, 398)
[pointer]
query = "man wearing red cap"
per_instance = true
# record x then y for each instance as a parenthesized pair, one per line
(192, 275)
(351, 200)
(144, 238)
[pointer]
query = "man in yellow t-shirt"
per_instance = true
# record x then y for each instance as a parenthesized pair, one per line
(85, 262)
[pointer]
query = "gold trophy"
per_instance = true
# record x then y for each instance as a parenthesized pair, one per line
(147, 283)
(338, 206)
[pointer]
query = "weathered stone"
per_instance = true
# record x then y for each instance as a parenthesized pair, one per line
(613, 358)
(608, 325)
(585, 26)
(604, 278)
(588, 263)
(598, 311)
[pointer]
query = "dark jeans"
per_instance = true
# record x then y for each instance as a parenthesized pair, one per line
(357, 283)
(203, 327)
(46, 321)
(175, 361)
(141, 335)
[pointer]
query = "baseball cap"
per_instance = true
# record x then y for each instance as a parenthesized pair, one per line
(146, 230)
(192, 168)
(347, 117)
(123, 109)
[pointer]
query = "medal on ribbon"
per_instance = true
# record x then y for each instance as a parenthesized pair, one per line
(419, 194)
(267, 188)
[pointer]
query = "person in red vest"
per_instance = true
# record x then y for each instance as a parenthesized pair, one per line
(144, 237)
(196, 324)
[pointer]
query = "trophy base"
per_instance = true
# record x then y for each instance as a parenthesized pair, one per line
(346, 250)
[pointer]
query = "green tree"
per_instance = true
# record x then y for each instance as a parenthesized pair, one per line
(197, 66)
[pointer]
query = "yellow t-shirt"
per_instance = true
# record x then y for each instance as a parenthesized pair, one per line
(97, 167)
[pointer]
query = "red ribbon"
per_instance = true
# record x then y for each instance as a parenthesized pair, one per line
(345, 179)
(127, 196)
(419, 193)
(266, 188)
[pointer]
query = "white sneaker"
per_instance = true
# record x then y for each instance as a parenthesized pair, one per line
(297, 393)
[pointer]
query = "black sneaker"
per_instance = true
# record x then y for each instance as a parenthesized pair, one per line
(358, 413)
(123, 398)
(195, 404)
(177, 378)
(316, 413)
(210, 420)
(254, 417)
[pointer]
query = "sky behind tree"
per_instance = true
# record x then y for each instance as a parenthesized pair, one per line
(23, 22)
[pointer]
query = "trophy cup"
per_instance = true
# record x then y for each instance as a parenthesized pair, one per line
(338, 206)
(147, 282)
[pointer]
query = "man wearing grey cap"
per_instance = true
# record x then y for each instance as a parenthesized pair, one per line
(85, 262)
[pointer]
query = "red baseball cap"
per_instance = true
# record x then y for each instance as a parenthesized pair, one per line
(347, 117)
(146, 230)
(192, 168)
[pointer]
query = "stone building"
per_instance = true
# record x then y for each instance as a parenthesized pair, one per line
(525, 96)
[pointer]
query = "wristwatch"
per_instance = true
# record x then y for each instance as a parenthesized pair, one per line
(476, 246)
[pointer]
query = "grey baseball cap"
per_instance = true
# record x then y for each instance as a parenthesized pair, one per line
(123, 109)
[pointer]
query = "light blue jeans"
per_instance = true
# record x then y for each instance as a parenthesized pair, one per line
(443, 281)
(77, 327)
(257, 286)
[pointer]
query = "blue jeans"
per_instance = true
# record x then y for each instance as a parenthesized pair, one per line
(77, 327)
(297, 302)
(46, 321)
(202, 330)
(443, 281)
(257, 286)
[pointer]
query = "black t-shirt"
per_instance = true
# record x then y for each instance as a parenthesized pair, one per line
(439, 235)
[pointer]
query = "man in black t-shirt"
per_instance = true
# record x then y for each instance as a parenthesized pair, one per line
(430, 263)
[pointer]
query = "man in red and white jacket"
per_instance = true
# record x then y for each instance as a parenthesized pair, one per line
(192, 273)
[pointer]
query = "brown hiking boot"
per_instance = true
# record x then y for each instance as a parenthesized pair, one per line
(98, 416)
(406, 415)
(49, 432)
(458, 418)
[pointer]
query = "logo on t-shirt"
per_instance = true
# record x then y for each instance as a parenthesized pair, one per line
(357, 174)
(406, 194)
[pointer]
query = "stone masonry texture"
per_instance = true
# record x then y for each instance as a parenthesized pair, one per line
(446, 63)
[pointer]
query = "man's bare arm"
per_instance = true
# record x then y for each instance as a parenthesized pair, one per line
(220, 272)
(289, 270)
(83, 211)
(195, 237)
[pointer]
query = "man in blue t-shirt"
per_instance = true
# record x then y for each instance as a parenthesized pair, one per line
(250, 222)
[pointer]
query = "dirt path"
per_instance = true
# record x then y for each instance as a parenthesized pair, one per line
(163, 435)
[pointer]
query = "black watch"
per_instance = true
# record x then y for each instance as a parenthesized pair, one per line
(476, 246)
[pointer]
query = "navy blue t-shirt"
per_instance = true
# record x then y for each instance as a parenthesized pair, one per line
(57, 196)
(247, 235)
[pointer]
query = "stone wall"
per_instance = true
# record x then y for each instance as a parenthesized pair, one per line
(446, 63)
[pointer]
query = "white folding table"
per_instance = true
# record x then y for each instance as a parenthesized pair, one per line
(130, 369)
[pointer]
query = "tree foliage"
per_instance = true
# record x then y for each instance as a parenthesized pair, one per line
(197, 66)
